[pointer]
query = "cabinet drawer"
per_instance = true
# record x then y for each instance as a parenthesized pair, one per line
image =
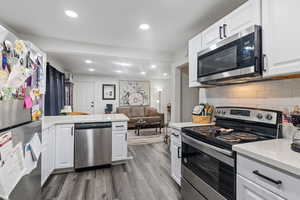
(119, 126)
(272, 179)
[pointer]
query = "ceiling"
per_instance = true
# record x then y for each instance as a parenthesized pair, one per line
(115, 23)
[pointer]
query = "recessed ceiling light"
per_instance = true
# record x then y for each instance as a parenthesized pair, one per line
(88, 61)
(144, 27)
(118, 71)
(153, 66)
(143, 73)
(165, 74)
(71, 13)
(91, 69)
(123, 64)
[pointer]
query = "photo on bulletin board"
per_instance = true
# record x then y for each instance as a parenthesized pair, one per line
(108, 92)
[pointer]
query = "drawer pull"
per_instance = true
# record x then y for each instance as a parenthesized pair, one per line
(174, 134)
(120, 126)
(278, 182)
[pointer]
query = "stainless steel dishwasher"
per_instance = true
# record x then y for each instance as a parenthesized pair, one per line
(93, 144)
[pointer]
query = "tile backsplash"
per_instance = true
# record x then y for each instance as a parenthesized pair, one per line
(277, 95)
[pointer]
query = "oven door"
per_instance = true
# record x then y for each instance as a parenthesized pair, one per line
(208, 169)
(236, 56)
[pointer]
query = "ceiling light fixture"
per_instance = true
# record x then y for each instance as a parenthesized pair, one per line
(143, 73)
(144, 27)
(71, 13)
(88, 61)
(118, 71)
(123, 64)
(153, 66)
(91, 69)
(165, 74)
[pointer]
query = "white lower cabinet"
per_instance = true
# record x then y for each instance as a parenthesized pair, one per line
(258, 181)
(64, 146)
(119, 145)
(119, 141)
(48, 153)
(247, 190)
(176, 155)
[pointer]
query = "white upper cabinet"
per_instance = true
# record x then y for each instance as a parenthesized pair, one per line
(281, 31)
(195, 45)
(243, 17)
(213, 34)
(246, 15)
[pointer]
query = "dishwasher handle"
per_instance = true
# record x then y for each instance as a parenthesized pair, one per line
(94, 125)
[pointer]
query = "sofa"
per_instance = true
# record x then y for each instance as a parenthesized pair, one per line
(144, 113)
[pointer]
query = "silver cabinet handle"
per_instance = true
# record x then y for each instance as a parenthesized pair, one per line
(72, 131)
(220, 32)
(224, 30)
(265, 62)
(120, 126)
(126, 137)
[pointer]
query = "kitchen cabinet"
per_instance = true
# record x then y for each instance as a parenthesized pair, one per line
(48, 153)
(64, 146)
(247, 190)
(119, 141)
(195, 45)
(281, 32)
(256, 180)
(246, 15)
(213, 34)
(176, 155)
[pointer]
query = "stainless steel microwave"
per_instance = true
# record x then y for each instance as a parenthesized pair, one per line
(237, 58)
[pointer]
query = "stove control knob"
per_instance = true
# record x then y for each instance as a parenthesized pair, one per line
(223, 112)
(269, 117)
(259, 116)
(219, 111)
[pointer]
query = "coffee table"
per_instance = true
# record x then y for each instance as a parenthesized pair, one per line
(143, 125)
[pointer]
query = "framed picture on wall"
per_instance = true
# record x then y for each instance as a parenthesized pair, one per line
(108, 92)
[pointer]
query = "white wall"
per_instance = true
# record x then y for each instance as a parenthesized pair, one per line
(100, 80)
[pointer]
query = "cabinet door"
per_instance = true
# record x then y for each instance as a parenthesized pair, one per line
(119, 145)
(64, 151)
(45, 156)
(281, 32)
(52, 148)
(175, 160)
(247, 190)
(213, 34)
(195, 45)
(243, 17)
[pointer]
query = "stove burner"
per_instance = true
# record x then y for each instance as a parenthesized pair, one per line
(228, 138)
(245, 136)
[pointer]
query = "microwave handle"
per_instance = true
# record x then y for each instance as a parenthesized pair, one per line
(220, 32)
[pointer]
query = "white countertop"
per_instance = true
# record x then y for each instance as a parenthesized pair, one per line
(276, 153)
(49, 121)
(186, 124)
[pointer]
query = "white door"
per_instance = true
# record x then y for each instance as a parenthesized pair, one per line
(64, 156)
(247, 190)
(84, 97)
(243, 17)
(119, 145)
(213, 34)
(195, 45)
(281, 31)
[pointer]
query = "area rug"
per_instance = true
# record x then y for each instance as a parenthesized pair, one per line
(147, 136)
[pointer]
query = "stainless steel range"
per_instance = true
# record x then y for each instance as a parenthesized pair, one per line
(208, 161)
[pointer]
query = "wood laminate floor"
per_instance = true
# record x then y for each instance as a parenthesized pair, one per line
(146, 177)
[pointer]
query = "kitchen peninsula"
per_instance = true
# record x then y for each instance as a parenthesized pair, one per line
(68, 140)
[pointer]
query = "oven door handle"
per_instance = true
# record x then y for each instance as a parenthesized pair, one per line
(223, 151)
